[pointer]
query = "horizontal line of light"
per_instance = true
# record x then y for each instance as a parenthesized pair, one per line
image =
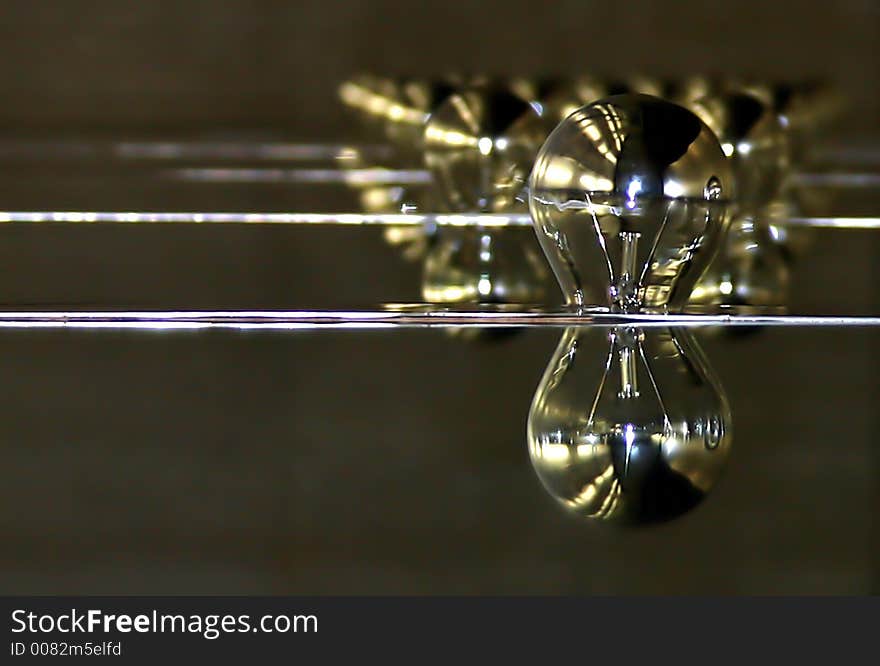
(356, 219)
(835, 179)
(831, 222)
(246, 150)
(188, 150)
(378, 175)
(863, 152)
(406, 317)
(367, 176)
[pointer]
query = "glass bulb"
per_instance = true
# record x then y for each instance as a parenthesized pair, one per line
(628, 196)
(755, 140)
(480, 145)
(629, 425)
(749, 269)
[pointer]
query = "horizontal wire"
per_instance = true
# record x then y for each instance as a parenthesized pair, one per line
(405, 317)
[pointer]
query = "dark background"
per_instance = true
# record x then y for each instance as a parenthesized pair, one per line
(380, 462)
(163, 63)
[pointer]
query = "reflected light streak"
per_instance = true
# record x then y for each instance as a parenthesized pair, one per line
(840, 179)
(368, 176)
(450, 138)
(361, 97)
(485, 220)
(554, 452)
(244, 150)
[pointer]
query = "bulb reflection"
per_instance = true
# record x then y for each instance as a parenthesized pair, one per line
(482, 267)
(629, 425)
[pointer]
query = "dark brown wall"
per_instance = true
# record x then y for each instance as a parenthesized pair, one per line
(243, 61)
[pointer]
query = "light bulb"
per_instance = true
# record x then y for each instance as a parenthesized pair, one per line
(755, 140)
(629, 425)
(807, 108)
(627, 196)
(749, 270)
(479, 145)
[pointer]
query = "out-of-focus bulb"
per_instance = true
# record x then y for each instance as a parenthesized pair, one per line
(749, 270)
(480, 145)
(756, 142)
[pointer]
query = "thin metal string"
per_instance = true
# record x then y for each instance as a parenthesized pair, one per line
(413, 316)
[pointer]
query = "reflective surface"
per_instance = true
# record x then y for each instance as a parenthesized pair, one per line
(411, 315)
(221, 460)
(218, 459)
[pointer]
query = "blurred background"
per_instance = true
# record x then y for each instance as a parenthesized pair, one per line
(380, 462)
(106, 64)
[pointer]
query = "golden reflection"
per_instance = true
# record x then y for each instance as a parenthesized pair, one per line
(381, 99)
